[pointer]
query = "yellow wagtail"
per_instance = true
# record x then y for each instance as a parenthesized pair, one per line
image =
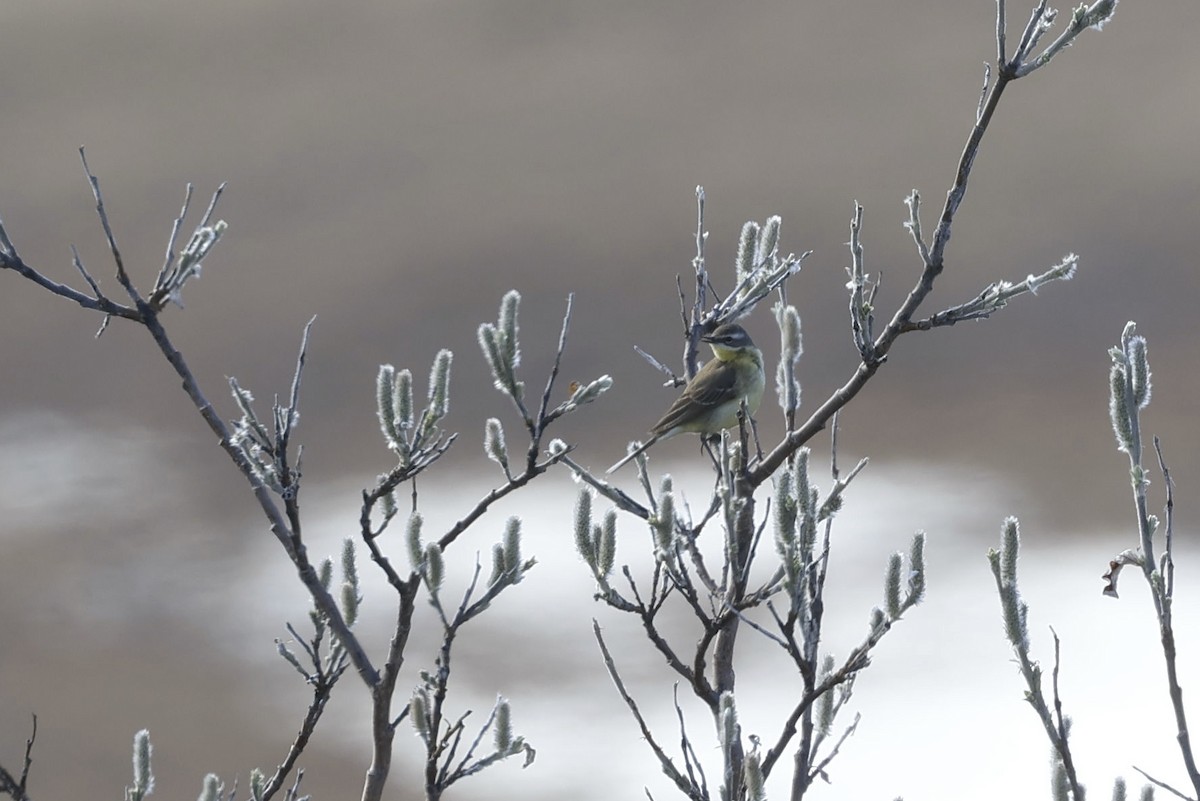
(710, 402)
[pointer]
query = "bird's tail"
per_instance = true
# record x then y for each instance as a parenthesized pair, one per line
(633, 454)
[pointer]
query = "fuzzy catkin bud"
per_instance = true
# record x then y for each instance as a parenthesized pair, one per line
(606, 550)
(212, 788)
(403, 399)
(892, 586)
(419, 715)
(499, 572)
(390, 507)
(785, 509)
(493, 442)
(785, 532)
(729, 730)
(916, 567)
(512, 546)
(1139, 367)
(877, 618)
(350, 603)
(825, 704)
(258, 785)
(768, 240)
(1060, 788)
(349, 564)
(791, 347)
(789, 327)
(1098, 16)
(1016, 613)
(583, 528)
(412, 538)
(509, 336)
(1010, 549)
(755, 787)
(664, 524)
(800, 483)
(385, 403)
(747, 248)
(435, 567)
(489, 343)
(439, 385)
(143, 776)
(831, 506)
(503, 727)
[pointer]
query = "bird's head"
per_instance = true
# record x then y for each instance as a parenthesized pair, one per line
(729, 340)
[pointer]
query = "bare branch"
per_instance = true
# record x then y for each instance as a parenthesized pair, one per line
(1001, 33)
(690, 759)
(1062, 744)
(819, 768)
(531, 472)
(1163, 784)
(11, 260)
(322, 688)
(15, 787)
(1168, 567)
(542, 419)
(685, 785)
(122, 276)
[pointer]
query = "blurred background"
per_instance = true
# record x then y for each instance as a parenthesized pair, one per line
(393, 169)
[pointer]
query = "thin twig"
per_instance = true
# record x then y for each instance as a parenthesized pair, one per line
(278, 523)
(1001, 34)
(1169, 514)
(690, 759)
(293, 792)
(13, 261)
(86, 275)
(284, 435)
(322, 688)
(95, 289)
(687, 787)
(542, 419)
(169, 258)
(775, 638)
(819, 768)
(485, 503)
(673, 380)
(1157, 582)
(1162, 784)
(16, 787)
(122, 276)
(1062, 744)
(212, 204)
(932, 269)
(615, 494)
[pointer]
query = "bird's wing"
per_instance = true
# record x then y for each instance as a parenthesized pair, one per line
(711, 387)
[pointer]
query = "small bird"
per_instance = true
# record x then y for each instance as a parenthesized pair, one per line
(710, 402)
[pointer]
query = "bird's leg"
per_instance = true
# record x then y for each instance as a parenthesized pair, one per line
(743, 418)
(711, 443)
(708, 443)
